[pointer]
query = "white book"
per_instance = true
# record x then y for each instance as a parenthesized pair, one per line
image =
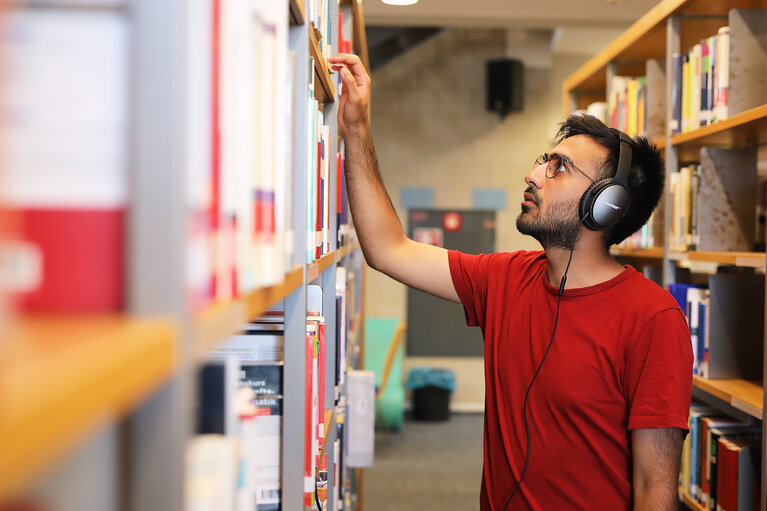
(65, 98)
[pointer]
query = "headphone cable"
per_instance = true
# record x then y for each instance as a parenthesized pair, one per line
(524, 406)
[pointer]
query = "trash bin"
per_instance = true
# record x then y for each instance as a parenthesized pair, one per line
(431, 389)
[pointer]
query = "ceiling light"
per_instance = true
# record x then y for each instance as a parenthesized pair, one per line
(400, 2)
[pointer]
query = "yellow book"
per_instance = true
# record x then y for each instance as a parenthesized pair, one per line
(685, 92)
(631, 107)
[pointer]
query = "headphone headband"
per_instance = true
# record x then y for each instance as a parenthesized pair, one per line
(624, 158)
(605, 202)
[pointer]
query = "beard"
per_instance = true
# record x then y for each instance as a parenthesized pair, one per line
(560, 228)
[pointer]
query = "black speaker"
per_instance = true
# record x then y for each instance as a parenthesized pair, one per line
(505, 86)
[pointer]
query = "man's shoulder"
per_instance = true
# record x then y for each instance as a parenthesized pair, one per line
(648, 295)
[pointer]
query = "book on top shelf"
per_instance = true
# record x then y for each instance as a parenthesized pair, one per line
(250, 220)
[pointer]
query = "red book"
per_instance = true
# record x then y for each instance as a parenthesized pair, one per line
(321, 387)
(74, 259)
(318, 223)
(308, 433)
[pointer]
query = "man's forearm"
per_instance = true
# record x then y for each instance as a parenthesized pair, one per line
(375, 220)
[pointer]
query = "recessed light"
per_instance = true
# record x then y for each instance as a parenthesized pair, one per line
(400, 2)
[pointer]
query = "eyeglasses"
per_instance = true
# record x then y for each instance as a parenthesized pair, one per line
(556, 163)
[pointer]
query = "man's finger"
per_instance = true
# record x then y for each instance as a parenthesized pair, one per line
(354, 64)
(350, 85)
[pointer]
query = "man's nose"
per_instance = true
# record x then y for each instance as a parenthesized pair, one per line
(536, 176)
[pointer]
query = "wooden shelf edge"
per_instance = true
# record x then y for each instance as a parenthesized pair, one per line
(359, 36)
(346, 250)
(689, 501)
(744, 395)
(631, 35)
(103, 369)
(316, 268)
(741, 119)
(742, 259)
(220, 320)
(647, 253)
(297, 12)
(324, 91)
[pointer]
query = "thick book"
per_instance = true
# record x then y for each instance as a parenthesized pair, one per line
(65, 128)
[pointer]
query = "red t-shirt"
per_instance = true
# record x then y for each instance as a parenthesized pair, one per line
(621, 360)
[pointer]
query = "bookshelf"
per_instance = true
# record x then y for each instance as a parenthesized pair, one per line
(746, 396)
(725, 150)
(137, 377)
(691, 503)
(63, 377)
(640, 253)
(297, 12)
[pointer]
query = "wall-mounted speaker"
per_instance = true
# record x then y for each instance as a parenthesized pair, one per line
(505, 86)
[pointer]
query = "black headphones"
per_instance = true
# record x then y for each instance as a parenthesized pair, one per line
(605, 202)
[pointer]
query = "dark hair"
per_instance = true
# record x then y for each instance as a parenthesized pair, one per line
(646, 177)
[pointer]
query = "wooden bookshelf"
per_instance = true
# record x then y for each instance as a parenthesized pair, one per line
(62, 378)
(745, 129)
(646, 39)
(346, 250)
(747, 396)
(324, 91)
(316, 268)
(640, 253)
(688, 501)
(222, 319)
(742, 259)
(297, 12)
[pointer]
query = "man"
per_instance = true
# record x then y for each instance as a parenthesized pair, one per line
(608, 410)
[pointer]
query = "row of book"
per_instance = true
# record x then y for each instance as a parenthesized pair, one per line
(643, 238)
(319, 16)
(235, 461)
(700, 83)
(627, 104)
(685, 203)
(721, 461)
(726, 322)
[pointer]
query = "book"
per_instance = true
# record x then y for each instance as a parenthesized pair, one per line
(65, 157)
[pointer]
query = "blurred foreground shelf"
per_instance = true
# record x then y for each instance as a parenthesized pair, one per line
(62, 378)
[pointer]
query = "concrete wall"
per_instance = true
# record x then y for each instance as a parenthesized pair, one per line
(431, 129)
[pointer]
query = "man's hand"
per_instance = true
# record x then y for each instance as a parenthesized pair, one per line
(355, 97)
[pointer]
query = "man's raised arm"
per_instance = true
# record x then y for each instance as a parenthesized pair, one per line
(382, 239)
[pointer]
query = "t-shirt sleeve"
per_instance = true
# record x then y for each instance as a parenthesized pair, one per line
(469, 273)
(658, 378)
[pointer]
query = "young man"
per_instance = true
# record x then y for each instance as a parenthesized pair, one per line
(612, 369)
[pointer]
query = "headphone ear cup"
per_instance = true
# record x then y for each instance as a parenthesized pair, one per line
(587, 203)
(603, 204)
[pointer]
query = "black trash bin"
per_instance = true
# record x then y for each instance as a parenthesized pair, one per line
(431, 389)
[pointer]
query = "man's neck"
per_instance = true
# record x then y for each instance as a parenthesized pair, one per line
(591, 265)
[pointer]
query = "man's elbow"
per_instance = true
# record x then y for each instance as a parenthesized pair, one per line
(655, 496)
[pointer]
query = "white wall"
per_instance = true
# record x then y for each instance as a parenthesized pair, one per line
(431, 129)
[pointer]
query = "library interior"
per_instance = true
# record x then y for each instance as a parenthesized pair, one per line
(273, 292)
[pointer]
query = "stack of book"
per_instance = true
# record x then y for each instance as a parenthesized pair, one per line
(726, 323)
(240, 224)
(700, 83)
(721, 461)
(643, 238)
(685, 193)
(234, 462)
(627, 104)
